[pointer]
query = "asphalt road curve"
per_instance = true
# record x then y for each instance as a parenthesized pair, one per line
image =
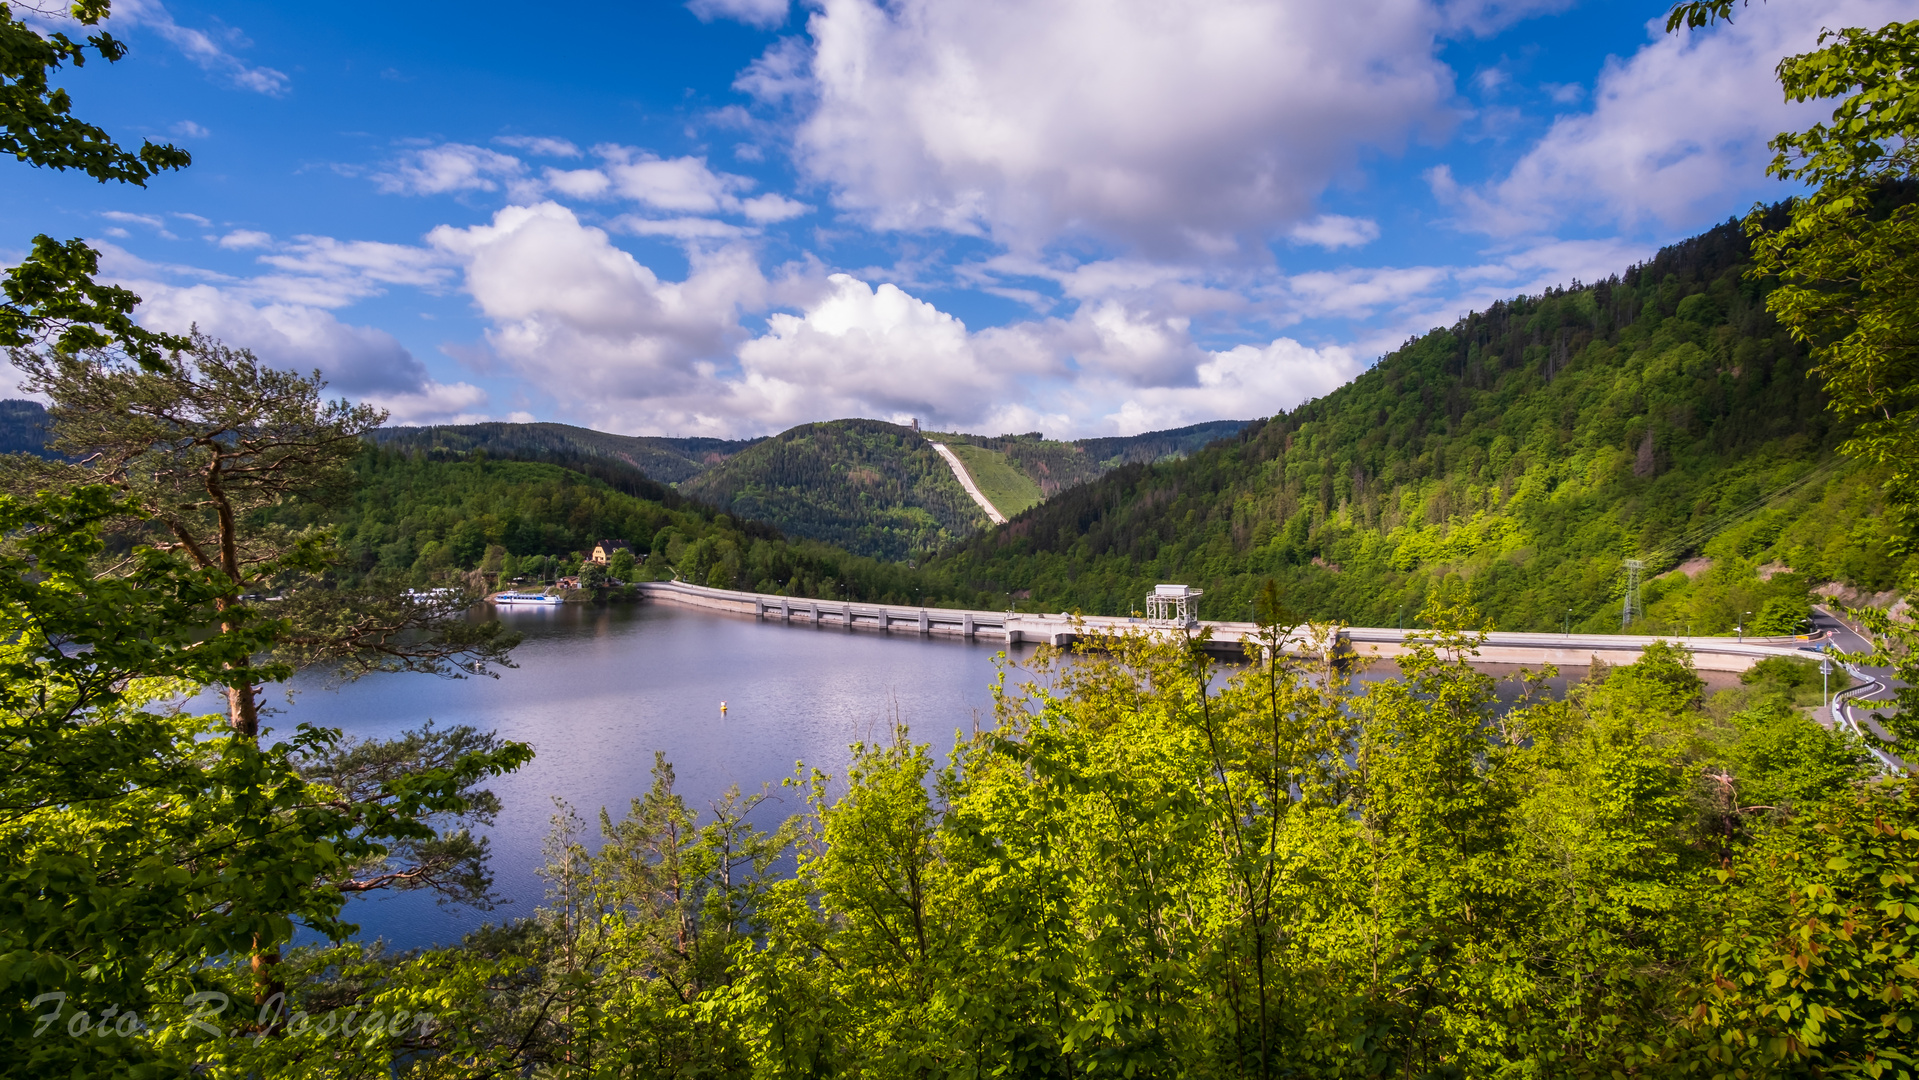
(1878, 683)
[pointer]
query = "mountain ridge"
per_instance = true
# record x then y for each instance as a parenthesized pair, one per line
(666, 460)
(879, 488)
(1517, 457)
(868, 485)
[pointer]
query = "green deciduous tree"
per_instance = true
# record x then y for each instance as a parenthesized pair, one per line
(142, 844)
(37, 125)
(1848, 260)
(1783, 616)
(51, 297)
(592, 575)
(197, 450)
(1813, 959)
(622, 566)
(206, 446)
(629, 970)
(110, 896)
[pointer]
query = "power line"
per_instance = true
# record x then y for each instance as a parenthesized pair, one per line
(1699, 534)
(1632, 608)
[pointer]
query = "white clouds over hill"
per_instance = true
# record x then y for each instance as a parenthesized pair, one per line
(587, 323)
(1671, 129)
(1177, 126)
(286, 317)
(618, 346)
(861, 351)
(1090, 216)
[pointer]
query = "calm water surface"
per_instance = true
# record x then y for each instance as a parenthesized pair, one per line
(599, 689)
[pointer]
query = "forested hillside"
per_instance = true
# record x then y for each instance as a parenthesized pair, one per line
(1525, 452)
(421, 519)
(23, 427)
(874, 488)
(878, 489)
(667, 460)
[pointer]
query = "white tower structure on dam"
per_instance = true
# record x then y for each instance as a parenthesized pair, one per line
(1176, 604)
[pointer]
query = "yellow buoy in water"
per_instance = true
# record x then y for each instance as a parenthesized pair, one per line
(722, 708)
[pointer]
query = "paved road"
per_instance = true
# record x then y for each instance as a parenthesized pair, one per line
(1843, 635)
(1879, 684)
(966, 481)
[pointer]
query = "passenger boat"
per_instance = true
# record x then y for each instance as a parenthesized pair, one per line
(526, 598)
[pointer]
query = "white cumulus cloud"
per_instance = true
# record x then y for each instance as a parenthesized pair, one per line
(1334, 231)
(211, 50)
(1671, 130)
(617, 346)
(578, 183)
(862, 351)
(242, 239)
(761, 13)
(679, 185)
(1176, 125)
(448, 168)
(587, 323)
(1242, 383)
(771, 207)
(682, 184)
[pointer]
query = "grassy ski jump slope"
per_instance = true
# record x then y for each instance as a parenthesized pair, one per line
(1010, 491)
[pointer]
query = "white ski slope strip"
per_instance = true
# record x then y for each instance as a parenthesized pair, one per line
(966, 481)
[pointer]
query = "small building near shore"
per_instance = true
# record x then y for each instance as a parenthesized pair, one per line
(603, 551)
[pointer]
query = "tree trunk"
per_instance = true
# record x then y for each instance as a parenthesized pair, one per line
(243, 710)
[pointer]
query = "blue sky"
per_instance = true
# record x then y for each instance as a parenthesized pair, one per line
(730, 216)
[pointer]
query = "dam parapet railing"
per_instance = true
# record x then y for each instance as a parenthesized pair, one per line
(1228, 638)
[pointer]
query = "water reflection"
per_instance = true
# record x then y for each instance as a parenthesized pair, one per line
(599, 689)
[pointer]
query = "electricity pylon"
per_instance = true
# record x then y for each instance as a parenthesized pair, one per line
(1632, 609)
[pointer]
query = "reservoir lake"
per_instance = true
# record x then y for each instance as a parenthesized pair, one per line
(599, 689)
